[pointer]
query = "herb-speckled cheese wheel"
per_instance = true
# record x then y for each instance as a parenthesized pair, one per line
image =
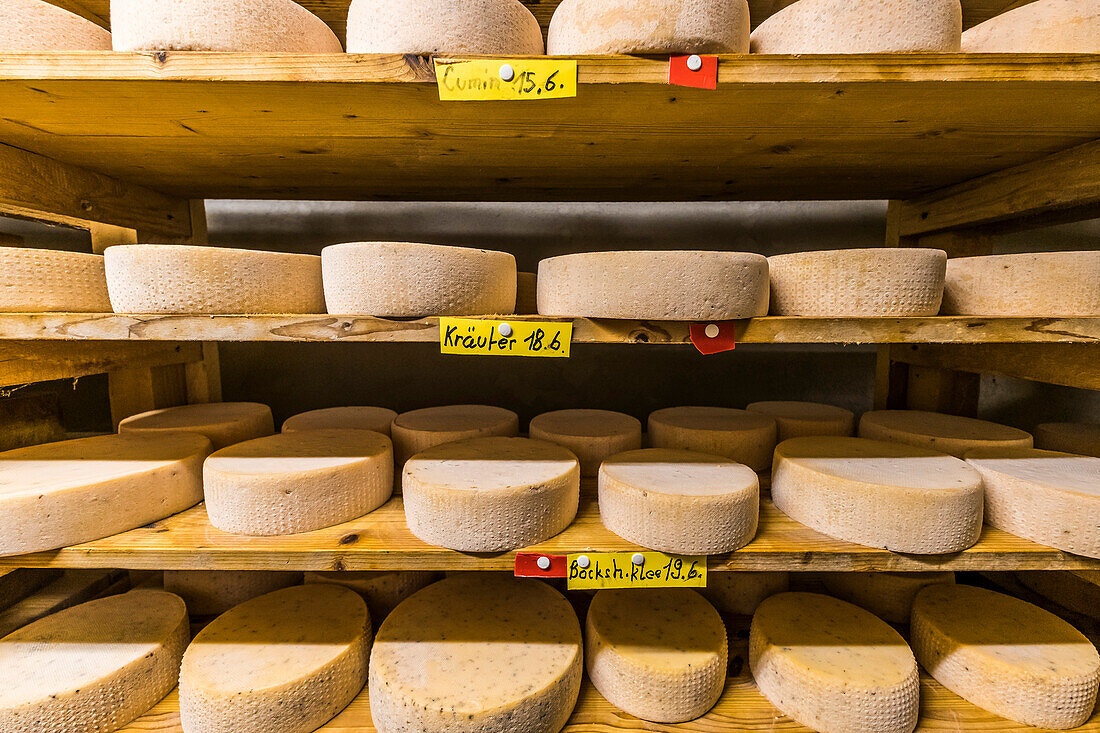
(746, 437)
(950, 434)
(887, 595)
(1046, 26)
(74, 491)
(171, 278)
(1079, 591)
(418, 430)
(897, 497)
(34, 25)
(592, 435)
(679, 501)
(1067, 437)
(378, 419)
(491, 494)
(285, 662)
(527, 293)
(1005, 655)
(43, 280)
(740, 593)
(661, 285)
(425, 27)
(476, 653)
(802, 419)
(211, 592)
(222, 423)
(92, 667)
(858, 283)
(1029, 285)
(381, 590)
(651, 26)
(832, 666)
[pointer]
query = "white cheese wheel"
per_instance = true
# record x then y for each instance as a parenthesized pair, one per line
(1030, 285)
(1079, 593)
(897, 497)
(222, 423)
(1005, 655)
(858, 283)
(298, 481)
(746, 437)
(592, 435)
(219, 25)
(171, 278)
(660, 285)
(477, 653)
(656, 653)
(425, 27)
(1067, 437)
(832, 666)
(950, 434)
(651, 26)
(740, 593)
(212, 592)
(378, 419)
(381, 590)
(409, 280)
(527, 293)
(1046, 497)
(1046, 26)
(418, 430)
(35, 25)
(58, 494)
(802, 419)
(43, 280)
(887, 595)
(679, 501)
(286, 662)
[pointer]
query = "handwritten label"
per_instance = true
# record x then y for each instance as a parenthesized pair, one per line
(517, 338)
(617, 570)
(483, 80)
(704, 75)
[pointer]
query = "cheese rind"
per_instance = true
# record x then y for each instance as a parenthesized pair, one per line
(419, 430)
(1082, 439)
(211, 592)
(381, 590)
(802, 419)
(42, 280)
(1075, 591)
(649, 27)
(746, 437)
(426, 27)
(1037, 285)
(222, 423)
(35, 25)
(887, 595)
(1045, 26)
(378, 419)
(950, 434)
(740, 593)
(592, 435)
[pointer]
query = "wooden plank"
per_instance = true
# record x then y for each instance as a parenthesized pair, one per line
(943, 390)
(23, 362)
(29, 420)
(204, 378)
(18, 583)
(75, 586)
(132, 391)
(1070, 365)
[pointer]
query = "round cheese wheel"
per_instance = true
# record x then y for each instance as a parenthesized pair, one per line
(1074, 591)
(418, 430)
(592, 435)
(801, 419)
(1080, 438)
(678, 501)
(212, 592)
(832, 666)
(426, 27)
(648, 27)
(658, 285)
(1005, 655)
(35, 25)
(887, 595)
(377, 419)
(858, 283)
(476, 653)
(1030, 285)
(526, 293)
(656, 653)
(897, 497)
(381, 590)
(286, 662)
(43, 280)
(92, 667)
(740, 593)
(407, 280)
(746, 437)
(222, 423)
(170, 278)
(1046, 26)
(950, 434)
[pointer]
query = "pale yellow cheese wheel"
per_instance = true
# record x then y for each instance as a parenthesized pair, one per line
(42, 280)
(1080, 438)
(425, 27)
(382, 590)
(223, 423)
(746, 437)
(1045, 26)
(211, 592)
(648, 27)
(1028, 285)
(418, 430)
(937, 431)
(740, 593)
(592, 435)
(887, 595)
(35, 25)
(800, 419)
(378, 419)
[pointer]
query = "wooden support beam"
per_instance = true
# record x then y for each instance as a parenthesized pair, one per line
(943, 390)
(24, 362)
(1070, 365)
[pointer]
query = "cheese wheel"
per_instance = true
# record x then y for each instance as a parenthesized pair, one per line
(58, 494)
(1067, 437)
(476, 653)
(42, 280)
(298, 481)
(843, 26)
(657, 653)
(950, 434)
(219, 25)
(679, 501)
(212, 592)
(286, 662)
(35, 25)
(740, 593)
(1068, 590)
(1031, 285)
(222, 423)
(1046, 497)
(526, 293)
(746, 437)
(801, 419)
(858, 283)
(426, 27)
(170, 278)
(418, 430)
(407, 280)
(652, 26)
(377, 419)
(592, 435)
(887, 595)
(1046, 26)
(832, 666)
(665, 285)
(897, 497)
(1005, 655)
(381, 590)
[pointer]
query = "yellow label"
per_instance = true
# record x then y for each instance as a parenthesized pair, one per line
(618, 570)
(506, 79)
(504, 337)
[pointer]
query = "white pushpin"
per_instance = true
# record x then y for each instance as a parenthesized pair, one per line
(711, 331)
(504, 329)
(638, 558)
(543, 563)
(507, 73)
(694, 63)
(583, 561)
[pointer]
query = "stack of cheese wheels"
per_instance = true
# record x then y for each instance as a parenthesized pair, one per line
(950, 434)
(222, 423)
(491, 494)
(740, 593)
(670, 285)
(843, 26)
(746, 437)
(833, 666)
(679, 501)
(592, 435)
(74, 491)
(92, 667)
(381, 590)
(219, 25)
(1079, 592)
(1080, 438)
(858, 283)
(41, 280)
(897, 497)
(887, 595)
(36, 25)
(211, 592)
(172, 278)
(659, 654)
(1034, 285)
(1046, 26)
(418, 430)
(285, 662)
(298, 481)
(425, 27)
(378, 419)
(1005, 655)
(652, 26)
(801, 419)
(477, 652)
(408, 280)
(1047, 497)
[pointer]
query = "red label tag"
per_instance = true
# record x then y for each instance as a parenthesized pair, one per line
(711, 338)
(527, 565)
(681, 74)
